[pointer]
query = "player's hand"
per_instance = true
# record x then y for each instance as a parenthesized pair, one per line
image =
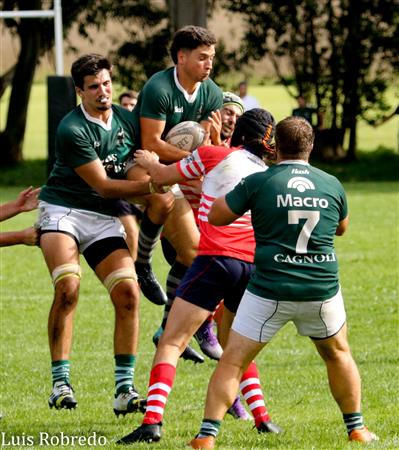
(28, 200)
(145, 158)
(215, 119)
(30, 236)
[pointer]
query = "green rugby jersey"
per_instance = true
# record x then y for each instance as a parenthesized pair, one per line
(295, 211)
(162, 99)
(80, 140)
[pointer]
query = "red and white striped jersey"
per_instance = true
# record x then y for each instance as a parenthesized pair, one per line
(222, 168)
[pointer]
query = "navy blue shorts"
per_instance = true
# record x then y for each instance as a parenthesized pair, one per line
(211, 279)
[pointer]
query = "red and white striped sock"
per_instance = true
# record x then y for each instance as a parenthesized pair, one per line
(253, 395)
(161, 382)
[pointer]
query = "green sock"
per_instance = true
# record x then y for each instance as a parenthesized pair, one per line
(60, 371)
(353, 421)
(124, 373)
(209, 427)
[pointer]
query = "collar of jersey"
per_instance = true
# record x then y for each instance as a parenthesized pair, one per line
(106, 126)
(293, 161)
(190, 98)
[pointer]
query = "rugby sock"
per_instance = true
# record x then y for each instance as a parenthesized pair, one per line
(60, 371)
(253, 395)
(148, 238)
(353, 421)
(124, 373)
(175, 275)
(161, 382)
(209, 427)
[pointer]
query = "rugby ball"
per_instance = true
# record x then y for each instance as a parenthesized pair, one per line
(186, 135)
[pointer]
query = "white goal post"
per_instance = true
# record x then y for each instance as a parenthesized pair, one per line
(55, 13)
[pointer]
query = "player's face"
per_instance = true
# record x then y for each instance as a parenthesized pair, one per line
(128, 103)
(96, 94)
(229, 114)
(197, 63)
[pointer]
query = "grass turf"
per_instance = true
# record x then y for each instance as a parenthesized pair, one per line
(293, 375)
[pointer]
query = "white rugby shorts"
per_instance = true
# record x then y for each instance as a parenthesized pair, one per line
(85, 226)
(260, 318)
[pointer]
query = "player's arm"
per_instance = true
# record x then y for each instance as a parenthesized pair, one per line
(94, 174)
(151, 131)
(220, 213)
(159, 173)
(342, 226)
(29, 236)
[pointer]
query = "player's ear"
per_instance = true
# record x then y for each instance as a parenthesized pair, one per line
(79, 92)
(181, 56)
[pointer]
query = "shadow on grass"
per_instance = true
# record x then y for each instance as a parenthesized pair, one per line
(32, 172)
(381, 165)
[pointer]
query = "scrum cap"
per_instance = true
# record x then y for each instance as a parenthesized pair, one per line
(255, 131)
(232, 99)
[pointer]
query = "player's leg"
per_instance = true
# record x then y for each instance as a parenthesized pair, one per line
(131, 227)
(325, 323)
(110, 258)
(62, 258)
(256, 322)
(250, 385)
(184, 320)
(158, 206)
(130, 215)
(201, 292)
(223, 386)
(182, 232)
(345, 384)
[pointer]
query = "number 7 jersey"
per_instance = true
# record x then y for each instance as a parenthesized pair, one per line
(295, 211)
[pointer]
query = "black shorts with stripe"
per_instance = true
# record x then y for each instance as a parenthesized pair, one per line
(211, 279)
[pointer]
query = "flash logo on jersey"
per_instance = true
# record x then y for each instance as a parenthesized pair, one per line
(301, 184)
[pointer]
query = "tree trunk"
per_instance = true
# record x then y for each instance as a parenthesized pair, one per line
(11, 139)
(187, 12)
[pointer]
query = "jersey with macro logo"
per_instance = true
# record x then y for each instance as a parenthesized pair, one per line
(81, 139)
(222, 168)
(163, 99)
(295, 211)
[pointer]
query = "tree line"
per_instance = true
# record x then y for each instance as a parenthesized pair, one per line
(342, 54)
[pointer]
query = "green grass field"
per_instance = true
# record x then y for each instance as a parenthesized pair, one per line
(293, 375)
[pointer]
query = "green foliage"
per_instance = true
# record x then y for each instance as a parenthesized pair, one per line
(342, 55)
(292, 374)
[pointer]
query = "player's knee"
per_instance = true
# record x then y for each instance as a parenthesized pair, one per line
(160, 205)
(186, 255)
(66, 281)
(125, 279)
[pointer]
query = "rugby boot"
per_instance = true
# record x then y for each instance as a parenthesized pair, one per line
(362, 435)
(149, 285)
(62, 396)
(129, 402)
(189, 354)
(144, 433)
(268, 427)
(208, 341)
(238, 411)
(206, 442)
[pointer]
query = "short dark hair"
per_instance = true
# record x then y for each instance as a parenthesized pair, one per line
(255, 131)
(190, 38)
(294, 136)
(129, 94)
(90, 64)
